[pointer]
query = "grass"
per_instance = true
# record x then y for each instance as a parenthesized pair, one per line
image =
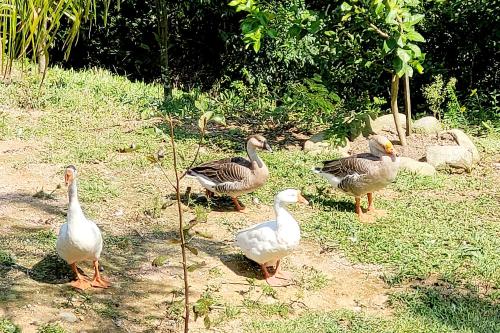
(445, 226)
(51, 328)
(6, 326)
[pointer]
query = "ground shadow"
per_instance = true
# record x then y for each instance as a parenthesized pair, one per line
(37, 203)
(242, 266)
(217, 203)
(457, 309)
(51, 269)
(339, 205)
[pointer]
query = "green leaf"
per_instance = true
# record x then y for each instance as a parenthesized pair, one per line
(198, 265)
(414, 19)
(192, 249)
(415, 36)
(409, 71)
(403, 55)
(398, 66)
(204, 119)
(389, 45)
(329, 33)
(345, 17)
(159, 261)
(345, 7)
(379, 8)
(219, 119)
(391, 17)
(294, 30)
(256, 45)
(272, 33)
(234, 3)
(206, 322)
(415, 49)
(418, 67)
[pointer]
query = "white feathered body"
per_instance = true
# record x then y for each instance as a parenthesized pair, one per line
(268, 242)
(79, 238)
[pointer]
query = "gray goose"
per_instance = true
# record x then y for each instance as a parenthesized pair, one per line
(364, 173)
(236, 175)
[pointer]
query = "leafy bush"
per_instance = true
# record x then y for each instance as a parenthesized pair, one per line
(434, 95)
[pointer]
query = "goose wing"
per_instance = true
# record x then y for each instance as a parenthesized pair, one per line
(223, 171)
(351, 172)
(359, 164)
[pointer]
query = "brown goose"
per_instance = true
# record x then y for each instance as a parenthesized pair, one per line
(364, 173)
(235, 176)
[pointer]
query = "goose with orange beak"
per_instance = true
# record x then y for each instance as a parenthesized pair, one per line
(79, 238)
(268, 242)
(364, 173)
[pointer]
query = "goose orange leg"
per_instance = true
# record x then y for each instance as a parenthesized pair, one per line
(209, 194)
(281, 274)
(98, 281)
(362, 216)
(371, 207)
(237, 205)
(271, 280)
(81, 282)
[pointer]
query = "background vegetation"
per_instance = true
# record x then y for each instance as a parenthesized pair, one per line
(327, 71)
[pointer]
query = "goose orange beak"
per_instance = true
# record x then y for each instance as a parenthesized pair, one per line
(67, 178)
(389, 148)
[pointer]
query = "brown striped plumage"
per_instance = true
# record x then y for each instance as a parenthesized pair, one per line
(365, 173)
(235, 176)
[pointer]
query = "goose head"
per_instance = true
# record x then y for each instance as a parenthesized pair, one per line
(69, 175)
(381, 146)
(258, 141)
(290, 196)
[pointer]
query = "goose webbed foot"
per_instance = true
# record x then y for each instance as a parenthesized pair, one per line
(98, 281)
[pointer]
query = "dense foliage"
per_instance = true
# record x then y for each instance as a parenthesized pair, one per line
(320, 64)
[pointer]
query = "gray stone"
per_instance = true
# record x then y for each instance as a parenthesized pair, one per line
(427, 125)
(386, 123)
(416, 167)
(442, 157)
(68, 317)
(464, 141)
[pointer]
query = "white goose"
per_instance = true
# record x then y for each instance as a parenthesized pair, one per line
(79, 238)
(266, 243)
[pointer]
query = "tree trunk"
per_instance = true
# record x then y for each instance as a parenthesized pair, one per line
(409, 129)
(162, 11)
(394, 108)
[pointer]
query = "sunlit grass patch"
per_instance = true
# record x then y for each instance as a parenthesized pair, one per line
(7, 326)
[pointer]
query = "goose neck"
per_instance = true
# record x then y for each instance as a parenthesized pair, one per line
(74, 204)
(282, 213)
(252, 155)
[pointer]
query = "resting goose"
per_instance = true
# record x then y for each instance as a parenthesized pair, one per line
(364, 173)
(235, 176)
(79, 238)
(266, 243)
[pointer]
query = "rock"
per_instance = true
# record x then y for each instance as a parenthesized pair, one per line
(385, 123)
(318, 143)
(416, 167)
(449, 156)
(464, 141)
(427, 125)
(68, 317)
